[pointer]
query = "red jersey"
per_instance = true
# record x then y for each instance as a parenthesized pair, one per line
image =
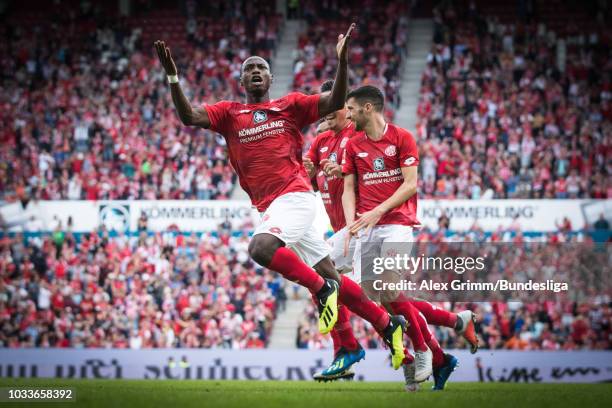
(330, 145)
(377, 167)
(264, 141)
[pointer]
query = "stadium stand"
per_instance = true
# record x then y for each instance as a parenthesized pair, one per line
(526, 323)
(88, 122)
(517, 110)
(376, 51)
(150, 291)
(81, 121)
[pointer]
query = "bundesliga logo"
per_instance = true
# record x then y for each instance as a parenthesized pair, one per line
(379, 164)
(259, 116)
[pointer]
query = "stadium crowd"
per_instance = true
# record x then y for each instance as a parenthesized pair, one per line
(85, 105)
(162, 290)
(513, 326)
(518, 110)
(188, 290)
(376, 52)
(526, 320)
(505, 112)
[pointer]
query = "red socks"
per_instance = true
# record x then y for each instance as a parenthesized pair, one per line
(352, 296)
(432, 343)
(335, 340)
(405, 309)
(288, 264)
(435, 315)
(343, 330)
(342, 334)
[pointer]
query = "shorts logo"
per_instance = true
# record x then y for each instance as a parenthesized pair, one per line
(259, 116)
(323, 149)
(333, 158)
(390, 150)
(344, 142)
(275, 230)
(409, 161)
(379, 164)
(362, 154)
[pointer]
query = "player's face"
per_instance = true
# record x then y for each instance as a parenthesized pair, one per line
(335, 120)
(256, 77)
(356, 113)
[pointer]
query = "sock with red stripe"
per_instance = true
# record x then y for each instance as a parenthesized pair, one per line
(288, 264)
(435, 315)
(432, 343)
(404, 308)
(353, 297)
(335, 340)
(344, 330)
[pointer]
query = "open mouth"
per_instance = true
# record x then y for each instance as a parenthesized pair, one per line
(256, 80)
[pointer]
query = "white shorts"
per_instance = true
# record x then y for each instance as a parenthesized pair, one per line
(289, 218)
(344, 264)
(381, 241)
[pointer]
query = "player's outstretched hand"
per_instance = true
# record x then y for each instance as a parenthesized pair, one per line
(163, 53)
(342, 46)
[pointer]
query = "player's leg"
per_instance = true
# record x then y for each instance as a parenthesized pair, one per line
(462, 322)
(392, 336)
(347, 350)
(443, 364)
(283, 224)
(313, 250)
(397, 240)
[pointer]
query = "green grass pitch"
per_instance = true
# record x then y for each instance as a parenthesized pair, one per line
(265, 394)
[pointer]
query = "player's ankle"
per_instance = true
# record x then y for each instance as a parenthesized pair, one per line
(458, 324)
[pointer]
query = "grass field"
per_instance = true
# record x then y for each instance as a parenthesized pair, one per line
(249, 394)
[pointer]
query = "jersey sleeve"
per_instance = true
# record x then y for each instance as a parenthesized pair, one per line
(408, 151)
(217, 114)
(305, 108)
(348, 159)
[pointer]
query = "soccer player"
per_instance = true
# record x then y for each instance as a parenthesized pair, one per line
(265, 144)
(333, 134)
(325, 152)
(384, 159)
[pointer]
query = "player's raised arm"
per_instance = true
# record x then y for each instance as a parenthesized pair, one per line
(189, 115)
(333, 101)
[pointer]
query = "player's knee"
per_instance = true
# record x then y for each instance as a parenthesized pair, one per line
(326, 269)
(262, 249)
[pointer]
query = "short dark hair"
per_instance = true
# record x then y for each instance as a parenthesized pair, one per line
(368, 93)
(251, 57)
(327, 85)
